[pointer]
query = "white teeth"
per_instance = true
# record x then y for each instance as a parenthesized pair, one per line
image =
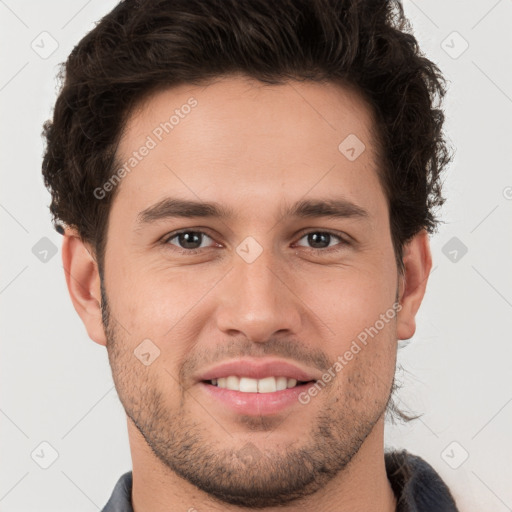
(267, 385)
(232, 382)
(281, 383)
(248, 385)
(291, 383)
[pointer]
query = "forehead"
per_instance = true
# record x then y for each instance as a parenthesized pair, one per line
(236, 139)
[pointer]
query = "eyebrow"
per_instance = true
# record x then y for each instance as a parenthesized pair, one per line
(180, 208)
(336, 208)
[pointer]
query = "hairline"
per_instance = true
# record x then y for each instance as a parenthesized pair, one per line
(140, 103)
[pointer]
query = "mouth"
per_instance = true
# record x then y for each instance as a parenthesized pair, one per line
(250, 385)
(256, 386)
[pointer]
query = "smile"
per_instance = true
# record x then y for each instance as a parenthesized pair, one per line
(250, 385)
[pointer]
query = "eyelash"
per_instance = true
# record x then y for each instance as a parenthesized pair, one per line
(166, 241)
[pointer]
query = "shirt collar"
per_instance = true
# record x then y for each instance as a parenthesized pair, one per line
(417, 487)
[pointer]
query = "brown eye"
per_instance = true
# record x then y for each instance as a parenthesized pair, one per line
(188, 239)
(321, 239)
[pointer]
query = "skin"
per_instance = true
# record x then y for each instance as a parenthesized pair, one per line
(255, 149)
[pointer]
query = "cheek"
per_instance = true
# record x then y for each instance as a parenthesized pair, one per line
(349, 301)
(360, 310)
(166, 307)
(364, 368)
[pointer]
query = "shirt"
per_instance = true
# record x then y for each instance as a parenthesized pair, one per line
(417, 487)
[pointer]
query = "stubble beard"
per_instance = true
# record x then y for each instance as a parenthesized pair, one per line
(242, 474)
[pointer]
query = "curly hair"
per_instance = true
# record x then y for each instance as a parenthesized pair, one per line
(145, 45)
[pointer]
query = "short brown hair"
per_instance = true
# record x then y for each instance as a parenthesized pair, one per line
(141, 46)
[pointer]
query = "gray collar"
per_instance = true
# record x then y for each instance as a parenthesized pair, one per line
(417, 487)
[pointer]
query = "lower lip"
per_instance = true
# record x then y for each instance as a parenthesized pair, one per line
(256, 404)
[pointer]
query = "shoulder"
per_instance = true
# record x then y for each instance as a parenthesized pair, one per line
(416, 484)
(121, 498)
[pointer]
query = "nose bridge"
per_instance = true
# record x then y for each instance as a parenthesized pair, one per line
(258, 282)
(257, 302)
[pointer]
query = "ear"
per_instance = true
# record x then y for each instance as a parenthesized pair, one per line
(417, 261)
(83, 281)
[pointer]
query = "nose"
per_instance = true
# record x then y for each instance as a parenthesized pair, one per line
(258, 301)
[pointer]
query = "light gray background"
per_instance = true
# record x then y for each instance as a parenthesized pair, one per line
(56, 384)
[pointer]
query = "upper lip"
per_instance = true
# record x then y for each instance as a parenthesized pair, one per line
(258, 368)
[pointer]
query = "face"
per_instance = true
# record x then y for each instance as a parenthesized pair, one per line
(251, 254)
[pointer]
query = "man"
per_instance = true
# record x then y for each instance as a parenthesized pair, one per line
(246, 190)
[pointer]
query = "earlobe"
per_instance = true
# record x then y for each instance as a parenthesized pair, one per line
(417, 261)
(83, 281)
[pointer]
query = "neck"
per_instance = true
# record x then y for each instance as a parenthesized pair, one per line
(362, 486)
